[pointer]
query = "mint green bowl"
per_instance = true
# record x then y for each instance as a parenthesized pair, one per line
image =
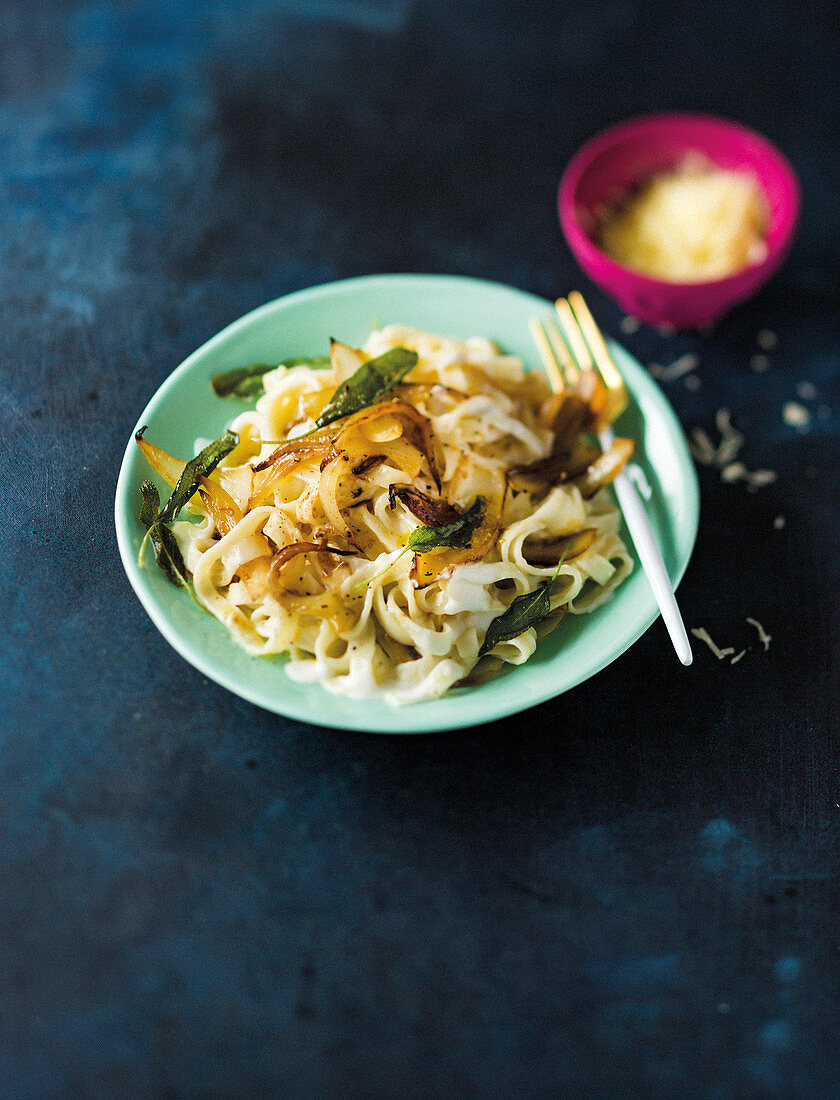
(185, 408)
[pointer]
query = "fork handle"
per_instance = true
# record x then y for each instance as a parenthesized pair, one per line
(650, 556)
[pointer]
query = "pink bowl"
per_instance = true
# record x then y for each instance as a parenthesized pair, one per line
(623, 155)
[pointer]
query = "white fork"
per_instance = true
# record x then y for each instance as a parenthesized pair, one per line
(577, 359)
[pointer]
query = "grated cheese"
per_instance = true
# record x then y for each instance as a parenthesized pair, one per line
(694, 223)
(766, 339)
(722, 652)
(796, 415)
(730, 443)
(729, 447)
(723, 422)
(733, 472)
(758, 479)
(763, 636)
(684, 365)
(702, 448)
(753, 479)
(702, 634)
(723, 456)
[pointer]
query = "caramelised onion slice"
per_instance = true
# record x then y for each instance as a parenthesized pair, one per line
(220, 505)
(304, 447)
(169, 468)
(416, 429)
(332, 442)
(605, 468)
(571, 418)
(569, 422)
(367, 464)
(567, 547)
(429, 511)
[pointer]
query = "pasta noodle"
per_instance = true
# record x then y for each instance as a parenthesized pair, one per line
(308, 556)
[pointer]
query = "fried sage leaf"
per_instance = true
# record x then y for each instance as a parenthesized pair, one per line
(525, 611)
(456, 533)
(188, 483)
(167, 552)
(368, 384)
(155, 519)
(247, 382)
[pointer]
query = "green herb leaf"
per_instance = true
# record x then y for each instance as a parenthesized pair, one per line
(247, 382)
(167, 552)
(525, 611)
(155, 519)
(458, 533)
(368, 384)
(203, 464)
(150, 509)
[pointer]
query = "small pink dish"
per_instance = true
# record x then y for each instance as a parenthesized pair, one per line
(624, 155)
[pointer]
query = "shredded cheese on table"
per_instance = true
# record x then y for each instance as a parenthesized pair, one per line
(702, 635)
(684, 365)
(722, 652)
(763, 636)
(724, 454)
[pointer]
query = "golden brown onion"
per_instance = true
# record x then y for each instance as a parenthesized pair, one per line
(220, 505)
(605, 468)
(169, 468)
(550, 551)
(429, 511)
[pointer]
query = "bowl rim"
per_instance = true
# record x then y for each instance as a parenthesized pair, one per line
(587, 251)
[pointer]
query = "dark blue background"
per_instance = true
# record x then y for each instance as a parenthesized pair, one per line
(629, 891)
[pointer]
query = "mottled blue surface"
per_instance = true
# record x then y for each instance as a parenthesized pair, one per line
(629, 892)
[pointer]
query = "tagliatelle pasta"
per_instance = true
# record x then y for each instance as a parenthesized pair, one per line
(308, 540)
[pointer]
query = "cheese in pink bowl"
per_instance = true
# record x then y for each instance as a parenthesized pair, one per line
(698, 213)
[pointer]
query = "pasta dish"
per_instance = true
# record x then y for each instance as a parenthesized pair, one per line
(397, 519)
